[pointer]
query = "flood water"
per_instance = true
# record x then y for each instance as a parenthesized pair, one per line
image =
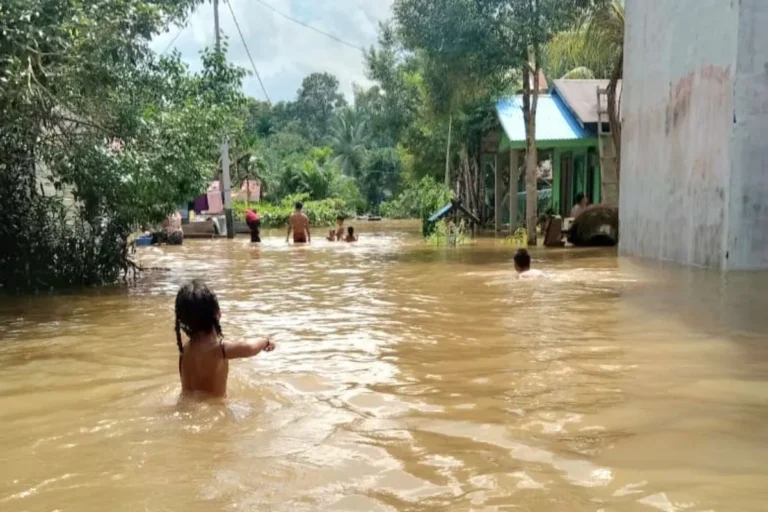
(406, 377)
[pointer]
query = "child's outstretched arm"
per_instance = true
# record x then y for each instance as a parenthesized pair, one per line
(241, 349)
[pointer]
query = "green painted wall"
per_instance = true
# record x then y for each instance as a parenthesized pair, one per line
(579, 163)
(579, 150)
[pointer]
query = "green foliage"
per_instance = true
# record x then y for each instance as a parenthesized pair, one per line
(122, 135)
(449, 234)
(418, 200)
(320, 213)
(350, 138)
(568, 55)
(518, 239)
(381, 176)
(317, 101)
(605, 32)
(592, 48)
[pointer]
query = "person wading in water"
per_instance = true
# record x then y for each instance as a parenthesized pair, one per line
(254, 224)
(204, 358)
(298, 223)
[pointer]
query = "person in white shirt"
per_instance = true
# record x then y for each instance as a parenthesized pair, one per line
(582, 202)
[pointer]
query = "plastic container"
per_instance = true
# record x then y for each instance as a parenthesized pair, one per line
(144, 241)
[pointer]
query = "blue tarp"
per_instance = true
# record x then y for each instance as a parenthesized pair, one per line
(553, 119)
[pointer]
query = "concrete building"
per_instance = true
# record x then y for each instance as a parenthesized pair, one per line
(694, 177)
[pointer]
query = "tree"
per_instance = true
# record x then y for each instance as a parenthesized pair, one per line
(605, 36)
(402, 108)
(463, 59)
(317, 175)
(568, 55)
(316, 103)
(380, 176)
(350, 139)
(462, 62)
(524, 28)
(398, 99)
(123, 136)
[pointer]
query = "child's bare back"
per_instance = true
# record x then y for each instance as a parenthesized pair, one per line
(204, 359)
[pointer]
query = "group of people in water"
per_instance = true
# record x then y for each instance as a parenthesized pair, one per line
(204, 357)
(298, 225)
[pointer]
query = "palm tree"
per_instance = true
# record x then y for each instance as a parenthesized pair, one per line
(605, 36)
(580, 73)
(350, 138)
(568, 55)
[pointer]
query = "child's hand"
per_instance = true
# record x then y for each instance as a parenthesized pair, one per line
(266, 345)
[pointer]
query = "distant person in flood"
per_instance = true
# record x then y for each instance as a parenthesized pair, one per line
(351, 237)
(339, 227)
(171, 232)
(254, 224)
(582, 202)
(523, 265)
(204, 358)
(338, 233)
(298, 223)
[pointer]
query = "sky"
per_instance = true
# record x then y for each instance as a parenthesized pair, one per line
(285, 52)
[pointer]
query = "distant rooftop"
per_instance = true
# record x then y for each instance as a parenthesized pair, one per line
(581, 97)
(553, 119)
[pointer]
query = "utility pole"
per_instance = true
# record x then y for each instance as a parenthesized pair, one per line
(216, 25)
(226, 186)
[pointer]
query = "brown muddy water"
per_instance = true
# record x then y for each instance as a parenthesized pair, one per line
(406, 377)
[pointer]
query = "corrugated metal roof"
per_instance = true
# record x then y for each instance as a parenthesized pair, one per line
(553, 119)
(581, 96)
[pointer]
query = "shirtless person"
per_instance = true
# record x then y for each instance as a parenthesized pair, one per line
(299, 224)
(338, 233)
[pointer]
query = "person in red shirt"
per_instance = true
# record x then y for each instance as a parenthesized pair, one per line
(254, 224)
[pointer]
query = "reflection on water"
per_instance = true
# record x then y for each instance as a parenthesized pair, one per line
(406, 377)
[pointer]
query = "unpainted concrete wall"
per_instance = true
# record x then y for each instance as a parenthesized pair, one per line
(677, 111)
(747, 241)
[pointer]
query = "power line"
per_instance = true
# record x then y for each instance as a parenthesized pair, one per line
(326, 34)
(247, 51)
(183, 26)
(174, 39)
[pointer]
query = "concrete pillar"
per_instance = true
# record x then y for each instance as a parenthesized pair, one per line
(609, 185)
(694, 177)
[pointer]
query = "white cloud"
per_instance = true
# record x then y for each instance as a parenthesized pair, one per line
(285, 52)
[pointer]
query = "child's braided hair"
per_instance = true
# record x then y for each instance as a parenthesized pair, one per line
(196, 310)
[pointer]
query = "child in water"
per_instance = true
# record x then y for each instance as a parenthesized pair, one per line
(204, 359)
(523, 265)
(351, 235)
(338, 233)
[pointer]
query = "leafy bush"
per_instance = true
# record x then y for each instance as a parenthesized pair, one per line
(449, 234)
(320, 213)
(519, 238)
(419, 200)
(119, 135)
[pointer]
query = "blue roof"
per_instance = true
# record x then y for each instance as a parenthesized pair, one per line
(553, 119)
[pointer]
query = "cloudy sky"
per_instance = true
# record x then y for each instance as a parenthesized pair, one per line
(285, 52)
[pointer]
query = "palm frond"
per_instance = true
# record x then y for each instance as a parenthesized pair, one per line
(605, 30)
(580, 73)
